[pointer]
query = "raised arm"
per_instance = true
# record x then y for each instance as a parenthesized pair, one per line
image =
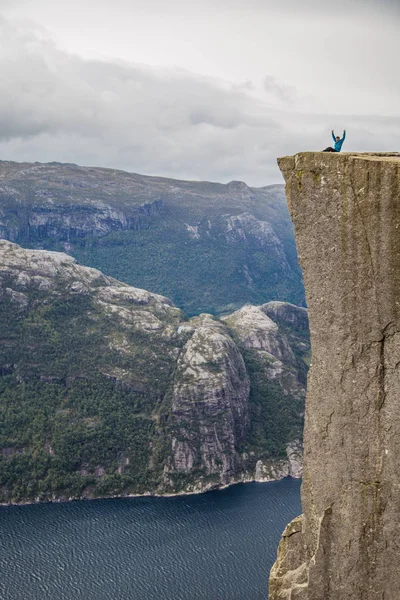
(344, 135)
(333, 135)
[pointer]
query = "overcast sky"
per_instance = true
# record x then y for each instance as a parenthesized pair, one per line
(196, 89)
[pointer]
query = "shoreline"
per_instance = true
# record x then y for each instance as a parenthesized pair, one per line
(211, 488)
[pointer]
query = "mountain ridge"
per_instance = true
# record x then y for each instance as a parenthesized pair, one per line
(211, 247)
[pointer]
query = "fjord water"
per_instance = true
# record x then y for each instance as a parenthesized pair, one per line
(214, 546)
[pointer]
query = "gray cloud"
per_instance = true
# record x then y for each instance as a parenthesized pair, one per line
(57, 106)
(280, 91)
(313, 7)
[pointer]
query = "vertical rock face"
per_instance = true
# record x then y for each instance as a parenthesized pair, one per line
(210, 402)
(346, 213)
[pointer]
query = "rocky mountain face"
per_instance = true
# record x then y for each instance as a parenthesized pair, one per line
(209, 247)
(66, 202)
(346, 213)
(210, 409)
(108, 389)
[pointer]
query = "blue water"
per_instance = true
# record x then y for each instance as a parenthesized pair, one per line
(214, 546)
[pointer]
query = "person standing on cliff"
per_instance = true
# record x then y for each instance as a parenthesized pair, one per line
(338, 142)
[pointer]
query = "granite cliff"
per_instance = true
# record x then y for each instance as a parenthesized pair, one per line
(107, 389)
(346, 214)
(209, 247)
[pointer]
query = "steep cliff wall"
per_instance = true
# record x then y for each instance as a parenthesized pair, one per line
(346, 213)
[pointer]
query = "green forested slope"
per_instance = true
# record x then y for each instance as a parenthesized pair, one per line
(107, 389)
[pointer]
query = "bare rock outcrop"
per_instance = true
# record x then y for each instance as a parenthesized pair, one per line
(209, 414)
(346, 214)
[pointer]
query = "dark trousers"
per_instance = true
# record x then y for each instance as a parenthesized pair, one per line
(329, 149)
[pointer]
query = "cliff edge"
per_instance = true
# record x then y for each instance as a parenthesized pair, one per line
(346, 214)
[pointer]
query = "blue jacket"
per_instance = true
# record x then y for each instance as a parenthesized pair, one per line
(339, 143)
